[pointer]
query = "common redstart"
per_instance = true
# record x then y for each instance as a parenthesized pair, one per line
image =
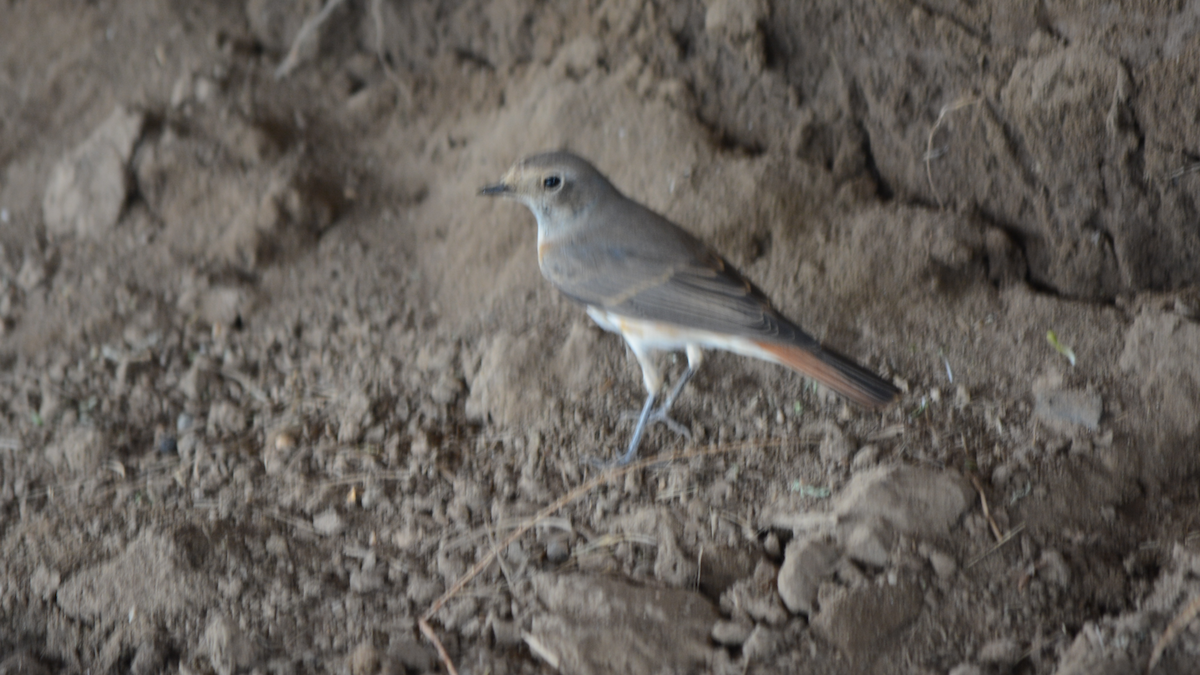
(642, 276)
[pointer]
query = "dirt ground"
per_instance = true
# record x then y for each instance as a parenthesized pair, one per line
(273, 377)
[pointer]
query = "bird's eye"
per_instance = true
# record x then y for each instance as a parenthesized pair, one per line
(551, 182)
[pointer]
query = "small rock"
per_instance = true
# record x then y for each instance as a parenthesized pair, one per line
(645, 629)
(506, 633)
(277, 545)
(1002, 651)
(833, 447)
(558, 550)
(731, 633)
(868, 542)
(225, 418)
(859, 620)
(907, 499)
(756, 597)
(762, 644)
(329, 523)
(88, 186)
(355, 415)
(227, 647)
(1053, 568)
(364, 660)
(943, 564)
(45, 582)
(168, 446)
(867, 456)
(195, 383)
(806, 563)
(364, 581)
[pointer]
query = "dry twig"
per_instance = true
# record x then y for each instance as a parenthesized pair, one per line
(305, 38)
(1178, 624)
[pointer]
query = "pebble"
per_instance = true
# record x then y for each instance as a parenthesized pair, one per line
(328, 523)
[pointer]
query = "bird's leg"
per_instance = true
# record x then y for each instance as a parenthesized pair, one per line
(662, 414)
(695, 357)
(640, 429)
(654, 382)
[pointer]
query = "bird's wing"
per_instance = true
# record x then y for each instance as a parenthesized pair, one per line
(684, 284)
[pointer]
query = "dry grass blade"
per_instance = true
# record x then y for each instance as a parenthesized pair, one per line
(1176, 627)
(1007, 538)
(987, 513)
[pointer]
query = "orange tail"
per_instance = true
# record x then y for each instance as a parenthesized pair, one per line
(836, 372)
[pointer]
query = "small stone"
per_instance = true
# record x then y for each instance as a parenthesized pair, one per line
(1053, 568)
(329, 523)
(277, 545)
(1002, 651)
(558, 550)
(88, 186)
(762, 644)
(943, 564)
(731, 633)
(365, 660)
(227, 647)
(806, 563)
(285, 440)
(366, 581)
(506, 633)
(168, 446)
(867, 456)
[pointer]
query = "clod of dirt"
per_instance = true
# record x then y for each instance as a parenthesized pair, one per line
(738, 23)
(806, 563)
(1162, 351)
(858, 620)
(672, 564)
(150, 583)
(228, 648)
(600, 625)
(508, 388)
(227, 198)
(882, 503)
(834, 447)
(912, 500)
(78, 449)
(755, 597)
(731, 633)
(1126, 643)
(722, 566)
(1066, 99)
(1063, 409)
(88, 186)
(329, 523)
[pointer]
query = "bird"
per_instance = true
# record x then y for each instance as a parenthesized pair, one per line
(641, 276)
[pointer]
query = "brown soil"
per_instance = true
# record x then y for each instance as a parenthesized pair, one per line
(273, 378)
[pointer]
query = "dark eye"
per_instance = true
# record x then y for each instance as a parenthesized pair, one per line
(551, 182)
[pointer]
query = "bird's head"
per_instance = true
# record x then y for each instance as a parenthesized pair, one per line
(557, 186)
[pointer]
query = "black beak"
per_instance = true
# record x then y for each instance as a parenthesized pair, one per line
(497, 189)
